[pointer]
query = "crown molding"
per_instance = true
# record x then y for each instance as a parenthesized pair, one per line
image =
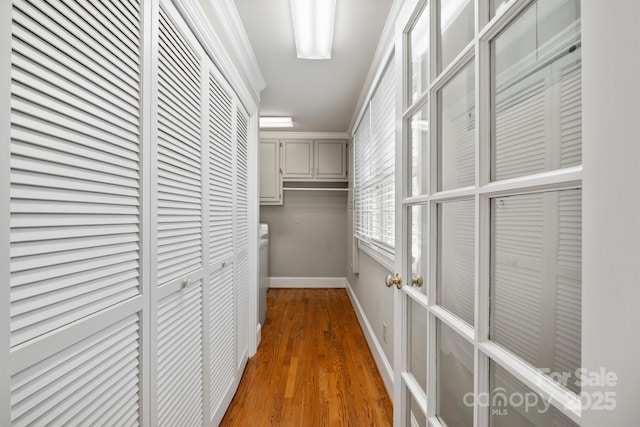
(209, 38)
(234, 28)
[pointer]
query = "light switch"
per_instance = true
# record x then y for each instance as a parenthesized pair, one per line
(296, 219)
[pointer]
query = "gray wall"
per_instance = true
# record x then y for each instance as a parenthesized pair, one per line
(368, 286)
(375, 299)
(314, 247)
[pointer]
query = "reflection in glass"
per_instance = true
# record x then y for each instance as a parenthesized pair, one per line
(456, 259)
(419, 50)
(419, 147)
(418, 243)
(537, 95)
(536, 279)
(456, 135)
(455, 377)
(417, 345)
(513, 404)
(497, 6)
(415, 416)
(456, 28)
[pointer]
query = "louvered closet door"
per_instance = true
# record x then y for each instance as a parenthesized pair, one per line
(180, 358)
(180, 227)
(221, 171)
(223, 372)
(179, 151)
(242, 235)
(75, 213)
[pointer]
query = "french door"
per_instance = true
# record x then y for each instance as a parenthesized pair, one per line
(488, 300)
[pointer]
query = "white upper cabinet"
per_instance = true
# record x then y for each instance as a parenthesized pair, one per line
(314, 160)
(297, 159)
(270, 182)
(330, 160)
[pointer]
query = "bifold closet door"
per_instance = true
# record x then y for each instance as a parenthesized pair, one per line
(128, 228)
(178, 363)
(75, 286)
(223, 375)
(201, 220)
(242, 237)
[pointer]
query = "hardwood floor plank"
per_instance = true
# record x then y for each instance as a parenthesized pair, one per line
(313, 367)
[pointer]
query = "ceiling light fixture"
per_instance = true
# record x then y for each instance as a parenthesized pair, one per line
(276, 122)
(313, 27)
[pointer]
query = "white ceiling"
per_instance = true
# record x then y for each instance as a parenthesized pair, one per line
(321, 95)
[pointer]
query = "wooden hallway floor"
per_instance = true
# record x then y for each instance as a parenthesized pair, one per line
(313, 367)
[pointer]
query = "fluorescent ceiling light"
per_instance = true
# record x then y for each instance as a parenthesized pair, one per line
(276, 122)
(313, 27)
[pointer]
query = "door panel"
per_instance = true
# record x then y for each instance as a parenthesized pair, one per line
(179, 154)
(492, 214)
(454, 380)
(180, 358)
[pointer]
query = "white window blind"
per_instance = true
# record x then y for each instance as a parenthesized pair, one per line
(374, 172)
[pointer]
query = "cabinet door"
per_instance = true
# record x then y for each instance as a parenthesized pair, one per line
(297, 160)
(270, 182)
(330, 160)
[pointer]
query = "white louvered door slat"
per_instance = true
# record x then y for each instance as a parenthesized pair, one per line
(222, 337)
(75, 170)
(179, 157)
(96, 379)
(82, 236)
(242, 184)
(180, 358)
(220, 172)
(569, 284)
(226, 214)
(517, 289)
(241, 282)
(571, 116)
(242, 311)
(520, 132)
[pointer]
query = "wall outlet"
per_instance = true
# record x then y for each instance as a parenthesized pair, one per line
(384, 332)
(296, 219)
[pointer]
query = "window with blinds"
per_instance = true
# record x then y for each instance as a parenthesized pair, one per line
(374, 172)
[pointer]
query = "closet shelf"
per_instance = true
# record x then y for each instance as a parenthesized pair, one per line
(313, 189)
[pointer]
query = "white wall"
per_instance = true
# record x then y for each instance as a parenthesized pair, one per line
(611, 206)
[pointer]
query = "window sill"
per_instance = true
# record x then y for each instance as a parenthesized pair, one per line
(382, 258)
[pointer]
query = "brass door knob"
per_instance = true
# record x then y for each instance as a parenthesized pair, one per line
(393, 280)
(417, 281)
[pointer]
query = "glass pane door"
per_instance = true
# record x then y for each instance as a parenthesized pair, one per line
(491, 215)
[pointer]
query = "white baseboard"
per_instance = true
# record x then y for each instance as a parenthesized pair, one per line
(386, 371)
(258, 335)
(307, 282)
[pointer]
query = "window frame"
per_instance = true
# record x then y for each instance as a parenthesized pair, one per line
(381, 188)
